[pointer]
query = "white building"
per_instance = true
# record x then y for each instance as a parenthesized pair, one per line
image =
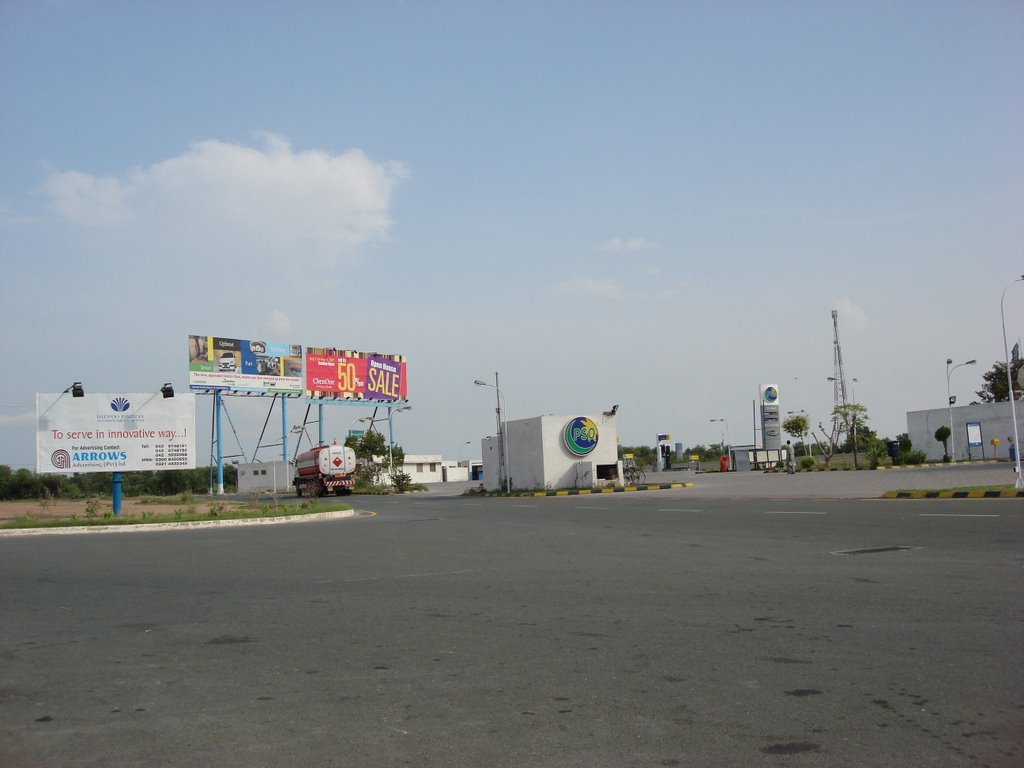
(431, 468)
(275, 476)
(555, 452)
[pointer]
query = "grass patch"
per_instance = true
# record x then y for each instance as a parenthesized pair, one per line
(188, 514)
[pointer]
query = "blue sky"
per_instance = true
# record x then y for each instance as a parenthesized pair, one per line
(654, 204)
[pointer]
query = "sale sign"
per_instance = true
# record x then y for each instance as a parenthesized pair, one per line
(348, 375)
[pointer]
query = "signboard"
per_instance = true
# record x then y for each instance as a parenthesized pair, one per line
(580, 436)
(974, 433)
(118, 432)
(769, 394)
(348, 375)
(240, 365)
(217, 362)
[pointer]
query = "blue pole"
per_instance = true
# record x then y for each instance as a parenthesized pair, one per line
(220, 451)
(116, 492)
(320, 422)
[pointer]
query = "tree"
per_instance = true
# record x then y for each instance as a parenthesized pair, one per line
(372, 452)
(942, 435)
(797, 425)
(854, 418)
(995, 388)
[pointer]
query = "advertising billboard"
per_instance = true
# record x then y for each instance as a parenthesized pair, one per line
(343, 374)
(217, 362)
(239, 365)
(114, 432)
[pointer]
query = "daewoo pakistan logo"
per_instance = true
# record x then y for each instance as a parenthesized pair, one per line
(580, 436)
(119, 405)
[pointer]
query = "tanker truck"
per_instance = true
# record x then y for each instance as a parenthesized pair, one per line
(325, 468)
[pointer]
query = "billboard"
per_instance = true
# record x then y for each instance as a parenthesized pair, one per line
(217, 362)
(114, 432)
(348, 375)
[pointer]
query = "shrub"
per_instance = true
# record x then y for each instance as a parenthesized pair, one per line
(915, 457)
(808, 462)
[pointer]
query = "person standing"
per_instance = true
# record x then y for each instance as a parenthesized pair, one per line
(790, 459)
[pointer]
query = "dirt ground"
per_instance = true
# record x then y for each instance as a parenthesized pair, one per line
(55, 510)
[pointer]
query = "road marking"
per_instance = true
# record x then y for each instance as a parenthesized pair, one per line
(680, 510)
(951, 514)
(791, 512)
(591, 507)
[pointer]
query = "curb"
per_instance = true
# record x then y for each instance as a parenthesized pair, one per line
(190, 525)
(623, 489)
(1014, 494)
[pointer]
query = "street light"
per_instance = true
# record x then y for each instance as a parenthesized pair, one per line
(502, 435)
(391, 434)
(950, 400)
(1009, 382)
(725, 438)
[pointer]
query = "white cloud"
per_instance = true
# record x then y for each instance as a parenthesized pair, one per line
(17, 419)
(626, 245)
(237, 203)
(589, 288)
(280, 323)
(87, 200)
(850, 315)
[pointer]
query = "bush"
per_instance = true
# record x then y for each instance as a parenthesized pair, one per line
(915, 457)
(808, 462)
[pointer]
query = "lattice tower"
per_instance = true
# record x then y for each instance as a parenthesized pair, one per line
(839, 378)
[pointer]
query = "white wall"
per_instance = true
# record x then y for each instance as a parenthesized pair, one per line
(538, 458)
(995, 420)
(423, 467)
(253, 478)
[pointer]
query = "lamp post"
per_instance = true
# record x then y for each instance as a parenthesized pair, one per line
(391, 435)
(725, 437)
(502, 436)
(1009, 382)
(950, 399)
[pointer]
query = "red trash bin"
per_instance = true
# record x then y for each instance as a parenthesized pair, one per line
(723, 464)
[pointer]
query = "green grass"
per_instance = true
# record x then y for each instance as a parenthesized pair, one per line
(189, 514)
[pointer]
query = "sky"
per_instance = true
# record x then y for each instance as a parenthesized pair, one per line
(650, 204)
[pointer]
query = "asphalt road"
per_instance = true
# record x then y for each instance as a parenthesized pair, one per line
(648, 629)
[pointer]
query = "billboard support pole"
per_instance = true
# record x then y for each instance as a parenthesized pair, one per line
(284, 428)
(320, 422)
(220, 451)
(115, 492)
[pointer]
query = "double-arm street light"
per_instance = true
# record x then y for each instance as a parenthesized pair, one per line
(950, 400)
(391, 434)
(725, 437)
(502, 436)
(1009, 382)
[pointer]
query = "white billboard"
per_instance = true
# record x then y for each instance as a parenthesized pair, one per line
(114, 432)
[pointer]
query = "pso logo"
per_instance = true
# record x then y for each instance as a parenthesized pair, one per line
(771, 394)
(581, 436)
